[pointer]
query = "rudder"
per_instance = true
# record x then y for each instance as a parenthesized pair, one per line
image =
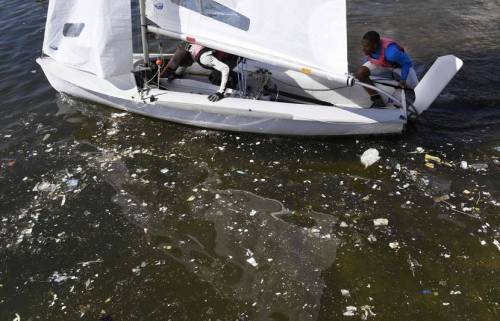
(435, 80)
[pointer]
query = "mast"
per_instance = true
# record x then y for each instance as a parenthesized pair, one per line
(144, 31)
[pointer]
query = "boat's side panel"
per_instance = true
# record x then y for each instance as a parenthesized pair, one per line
(248, 116)
(191, 114)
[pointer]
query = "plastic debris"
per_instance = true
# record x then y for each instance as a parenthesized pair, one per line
(54, 299)
(479, 166)
(252, 262)
(164, 170)
(58, 278)
(350, 311)
(17, 318)
(72, 183)
(118, 115)
(191, 198)
(345, 292)
(381, 222)
(429, 165)
(430, 158)
(370, 157)
(464, 165)
(45, 187)
(429, 292)
(367, 312)
(394, 245)
(497, 244)
(439, 199)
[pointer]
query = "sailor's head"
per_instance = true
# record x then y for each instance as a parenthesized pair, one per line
(370, 42)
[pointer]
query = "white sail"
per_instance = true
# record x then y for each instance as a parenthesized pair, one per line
(90, 35)
(308, 36)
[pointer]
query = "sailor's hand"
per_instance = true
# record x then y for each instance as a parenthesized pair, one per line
(167, 73)
(216, 97)
(402, 84)
(171, 76)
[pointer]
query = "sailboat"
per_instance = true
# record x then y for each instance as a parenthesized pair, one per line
(292, 73)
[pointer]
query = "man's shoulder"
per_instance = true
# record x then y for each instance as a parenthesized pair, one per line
(392, 50)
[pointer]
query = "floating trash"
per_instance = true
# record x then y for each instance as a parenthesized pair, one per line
(350, 311)
(479, 166)
(394, 245)
(381, 222)
(367, 312)
(439, 199)
(45, 187)
(429, 292)
(252, 262)
(370, 157)
(497, 244)
(72, 183)
(430, 158)
(345, 292)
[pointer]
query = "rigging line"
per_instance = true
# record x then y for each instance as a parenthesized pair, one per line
(308, 89)
(411, 106)
(147, 82)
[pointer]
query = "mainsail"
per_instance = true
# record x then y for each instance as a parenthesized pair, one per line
(90, 35)
(308, 36)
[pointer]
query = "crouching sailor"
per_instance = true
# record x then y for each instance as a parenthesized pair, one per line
(385, 57)
(222, 63)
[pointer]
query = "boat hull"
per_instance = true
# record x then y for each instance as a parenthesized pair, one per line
(230, 114)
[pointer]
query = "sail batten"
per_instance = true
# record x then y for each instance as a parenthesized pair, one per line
(305, 36)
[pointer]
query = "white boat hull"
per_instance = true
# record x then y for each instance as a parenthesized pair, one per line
(231, 114)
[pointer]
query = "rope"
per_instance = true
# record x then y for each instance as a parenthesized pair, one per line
(242, 76)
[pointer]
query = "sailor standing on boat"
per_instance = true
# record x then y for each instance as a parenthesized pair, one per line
(207, 58)
(385, 57)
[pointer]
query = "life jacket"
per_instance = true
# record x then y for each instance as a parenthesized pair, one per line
(384, 44)
(197, 50)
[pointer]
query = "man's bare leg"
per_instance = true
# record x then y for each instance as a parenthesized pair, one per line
(363, 75)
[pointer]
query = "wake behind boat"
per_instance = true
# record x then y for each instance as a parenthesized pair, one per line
(300, 87)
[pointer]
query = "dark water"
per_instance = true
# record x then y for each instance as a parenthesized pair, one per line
(104, 212)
